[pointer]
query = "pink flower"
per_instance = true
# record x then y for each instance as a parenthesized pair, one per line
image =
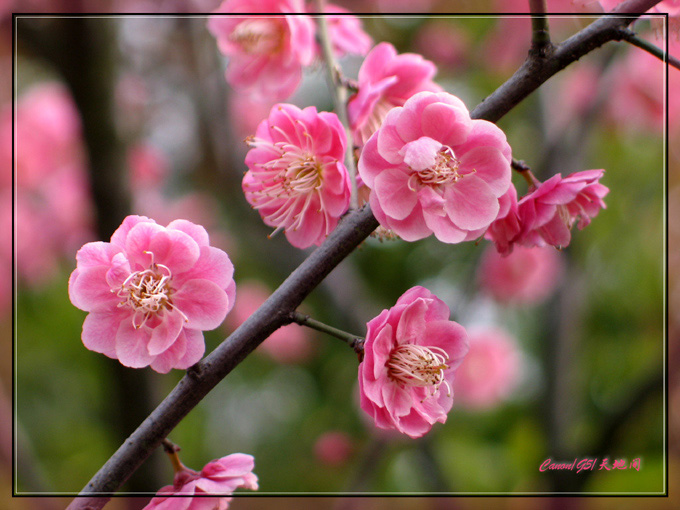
(506, 227)
(549, 211)
(151, 292)
(525, 276)
(411, 351)
(148, 166)
(386, 80)
(266, 53)
(432, 169)
(333, 448)
(220, 477)
(491, 369)
(346, 32)
(288, 344)
(296, 178)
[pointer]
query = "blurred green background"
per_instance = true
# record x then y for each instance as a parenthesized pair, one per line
(594, 351)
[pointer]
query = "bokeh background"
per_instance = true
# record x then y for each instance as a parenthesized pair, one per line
(140, 102)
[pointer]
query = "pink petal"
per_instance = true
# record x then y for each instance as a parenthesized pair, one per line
(165, 334)
(99, 331)
(196, 232)
(137, 243)
(421, 153)
(195, 348)
(94, 254)
(175, 249)
(119, 237)
(470, 203)
(444, 229)
(169, 359)
(490, 165)
(447, 123)
(396, 198)
(389, 141)
(412, 323)
(411, 228)
(485, 134)
(397, 400)
(371, 163)
(89, 291)
(382, 347)
(447, 335)
(131, 345)
(202, 302)
(213, 264)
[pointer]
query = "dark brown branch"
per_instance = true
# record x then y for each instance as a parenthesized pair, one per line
(274, 313)
(536, 71)
(540, 34)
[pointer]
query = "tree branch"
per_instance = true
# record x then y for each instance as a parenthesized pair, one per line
(632, 38)
(275, 312)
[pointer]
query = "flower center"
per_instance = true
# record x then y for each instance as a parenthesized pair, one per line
(258, 36)
(147, 293)
(415, 365)
(444, 171)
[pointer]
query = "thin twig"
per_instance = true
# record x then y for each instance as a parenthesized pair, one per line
(354, 341)
(339, 92)
(632, 38)
(540, 34)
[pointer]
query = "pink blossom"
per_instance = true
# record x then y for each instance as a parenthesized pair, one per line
(411, 351)
(220, 477)
(346, 33)
(549, 211)
(432, 169)
(526, 276)
(266, 53)
(151, 292)
(506, 227)
(491, 369)
(672, 7)
(333, 448)
(444, 43)
(288, 344)
(386, 80)
(296, 179)
(148, 166)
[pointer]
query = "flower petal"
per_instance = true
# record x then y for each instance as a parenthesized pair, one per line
(470, 203)
(396, 198)
(131, 345)
(202, 302)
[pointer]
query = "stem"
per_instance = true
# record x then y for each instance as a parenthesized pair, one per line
(339, 93)
(171, 449)
(354, 341)
(524, 170)
(632, 38)
(540, 34)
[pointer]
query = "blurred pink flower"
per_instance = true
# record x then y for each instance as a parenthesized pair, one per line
(266, 53)
(672, 7)
(296, 179)
(491, 370)
(346, 32)
(288, 344)
(246, 113)
(220, 477)
(411, 350)
(51, 180)
(151, 292)
(548, 212)
(386, 80)
(148, 166)
(432, 169)
(444, 43)
(526, 276)
(333, 448)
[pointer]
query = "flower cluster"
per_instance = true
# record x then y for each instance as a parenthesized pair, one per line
(547, 213)
(267, 53)
(432, 169)
(296, 179)
(220, 477)
(151, 292)
(410, 356)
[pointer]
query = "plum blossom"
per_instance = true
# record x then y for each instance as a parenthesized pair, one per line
(432, 169)
(410, 355)
(220, 477)
(491, 370)
(266, 53)
(151, 292)
(548, 212)
(345, 32)
(296, 178)
(333, 448)
(525, 276)
(506, 227)
(386, 80)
